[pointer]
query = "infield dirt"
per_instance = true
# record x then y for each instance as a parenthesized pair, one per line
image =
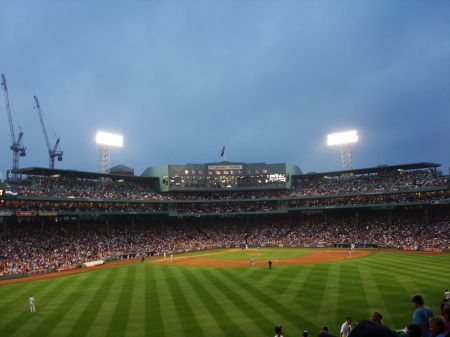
(314, 257)
(181, 259)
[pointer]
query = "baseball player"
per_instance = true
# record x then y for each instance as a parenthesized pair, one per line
(32, 306)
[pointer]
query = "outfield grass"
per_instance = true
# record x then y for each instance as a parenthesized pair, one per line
(266, 253)
(151, 299)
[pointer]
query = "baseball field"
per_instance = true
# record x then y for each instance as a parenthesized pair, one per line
(219, 293)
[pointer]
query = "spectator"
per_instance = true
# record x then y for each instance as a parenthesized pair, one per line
(443, 304)
(446, 316)
(422, 315)
(279, 331)
(437, 327)
(346, 327)
(414, 330)
(325, 329)
(376, 317)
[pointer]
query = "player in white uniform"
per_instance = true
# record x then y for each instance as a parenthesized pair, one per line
(32, 306)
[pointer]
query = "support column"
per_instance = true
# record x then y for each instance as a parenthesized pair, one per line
(4, 228)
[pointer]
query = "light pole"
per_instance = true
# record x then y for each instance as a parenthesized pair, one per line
(106, 140)
(345, 139)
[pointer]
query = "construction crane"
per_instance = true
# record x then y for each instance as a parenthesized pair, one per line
(51, 152)
(18, 150)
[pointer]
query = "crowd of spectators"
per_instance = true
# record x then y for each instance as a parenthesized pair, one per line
(29, 245)
(58, 187)
(64, 194)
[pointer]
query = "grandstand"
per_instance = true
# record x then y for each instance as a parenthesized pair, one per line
(180, 207)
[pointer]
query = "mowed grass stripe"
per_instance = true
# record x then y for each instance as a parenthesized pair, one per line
(350, 288)
(264, 308)
(237, 301)
(87, 316)
(103, 319)
(293, 280)
(75, 309)
(19, 290)
(65, 304)
(121, 306)
(137, 313)
(14, 297)
(373, 293)
(153, 305)
(404, 268)
(329, 300)
(180, 293)
(300, 290)
(24, 321)
(220, 321)
(171, 321)
(270, 278)
(200, 307)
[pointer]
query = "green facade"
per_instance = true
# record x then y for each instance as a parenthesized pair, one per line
(223, 175)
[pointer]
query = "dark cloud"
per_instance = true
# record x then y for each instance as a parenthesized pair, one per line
(268, 79)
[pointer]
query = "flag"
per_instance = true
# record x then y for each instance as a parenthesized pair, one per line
(223, 151)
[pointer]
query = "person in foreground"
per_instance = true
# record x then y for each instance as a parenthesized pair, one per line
(422, 315)
(446, 316)
(279, 331)
(437, 327)
(376, 317)
(412, 330)
(367, 328)
(346, 327)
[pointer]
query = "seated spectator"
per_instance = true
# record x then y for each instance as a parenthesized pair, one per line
(443, 304)
(437, 327)
(412, 330)
(279, 331)
(446, 316)
(366, 328)
(376, 317)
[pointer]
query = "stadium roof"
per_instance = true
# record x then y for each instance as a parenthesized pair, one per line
(40, 171)
(377, 169)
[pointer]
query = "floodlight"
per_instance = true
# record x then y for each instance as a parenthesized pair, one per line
(342, 138)
(109, 139)
(106, 140)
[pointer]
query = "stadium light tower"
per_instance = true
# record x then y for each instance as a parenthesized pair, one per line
(106, 140)
(345, 139)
